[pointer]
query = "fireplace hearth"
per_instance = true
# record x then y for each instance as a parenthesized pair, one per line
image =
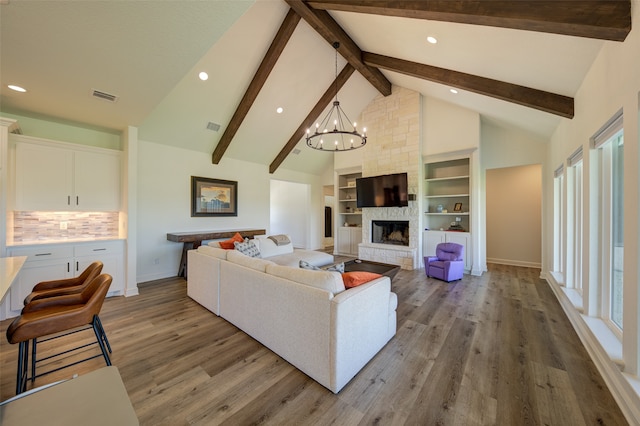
(394, 232)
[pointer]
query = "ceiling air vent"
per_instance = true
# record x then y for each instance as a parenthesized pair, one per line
(103, 95)
(213, 126)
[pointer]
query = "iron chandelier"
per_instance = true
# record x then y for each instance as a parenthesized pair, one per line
(337, 139)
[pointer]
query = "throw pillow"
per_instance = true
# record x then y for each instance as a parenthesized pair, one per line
(338, 267)
(229, 244)
(307, 265)
(356, 278)
(247, 248)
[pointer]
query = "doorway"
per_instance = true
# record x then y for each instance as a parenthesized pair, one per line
(290, 210)
(514, 215)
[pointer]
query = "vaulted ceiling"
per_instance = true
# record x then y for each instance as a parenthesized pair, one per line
(518, 64)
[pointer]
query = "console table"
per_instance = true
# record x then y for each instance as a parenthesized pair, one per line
(193, 240)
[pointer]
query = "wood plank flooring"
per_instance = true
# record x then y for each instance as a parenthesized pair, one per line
(490, 350)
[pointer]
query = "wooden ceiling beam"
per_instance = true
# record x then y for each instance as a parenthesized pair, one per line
(521, 95)
(268, 62)
(329, 29)
(325, 100)
(600, 19)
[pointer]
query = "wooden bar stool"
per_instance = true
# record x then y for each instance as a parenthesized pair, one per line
(52, 315)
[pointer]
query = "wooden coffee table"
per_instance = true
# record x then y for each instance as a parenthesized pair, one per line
(369, 266)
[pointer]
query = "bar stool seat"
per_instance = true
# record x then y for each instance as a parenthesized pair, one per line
(53, 315)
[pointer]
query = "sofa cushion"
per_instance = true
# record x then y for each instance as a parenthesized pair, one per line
(247, 248)
(356, 278)
(338, 267)
(325, 280)
(249, 262)
(229, 244)
(269, 248)
(216, 252)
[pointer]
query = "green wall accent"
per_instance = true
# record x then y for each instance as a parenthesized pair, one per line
(48, 128)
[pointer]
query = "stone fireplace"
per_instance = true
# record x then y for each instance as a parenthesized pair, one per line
(394, 232)
(393, 127)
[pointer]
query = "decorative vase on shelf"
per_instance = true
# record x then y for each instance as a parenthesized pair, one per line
(439, 208)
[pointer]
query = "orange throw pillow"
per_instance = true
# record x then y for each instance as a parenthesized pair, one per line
(356, 278)
(228, 244)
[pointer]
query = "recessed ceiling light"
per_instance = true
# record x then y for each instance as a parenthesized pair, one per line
(432, 40)
(454, 91)
(279, 110)
(203, 76)
(17, 88)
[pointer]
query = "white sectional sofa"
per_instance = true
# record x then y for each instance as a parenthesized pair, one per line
(307, 317)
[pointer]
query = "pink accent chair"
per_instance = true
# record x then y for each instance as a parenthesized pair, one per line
(447, 264)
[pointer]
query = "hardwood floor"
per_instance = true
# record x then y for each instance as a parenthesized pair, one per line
(490, 350)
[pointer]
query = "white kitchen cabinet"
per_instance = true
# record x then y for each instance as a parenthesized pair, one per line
(56, 177)
(430, 239)
(44, 263)
(47, 262)
(348, 239)
(110, 253)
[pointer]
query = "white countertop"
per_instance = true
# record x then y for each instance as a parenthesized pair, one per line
(97, 398)
(9, 268)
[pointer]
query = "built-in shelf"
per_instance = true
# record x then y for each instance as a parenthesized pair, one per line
(448, 214)
(348, 237)
(446, 196)
(447, 186)
(446, 178)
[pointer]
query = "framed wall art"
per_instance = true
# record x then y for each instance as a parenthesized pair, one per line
(213, 197)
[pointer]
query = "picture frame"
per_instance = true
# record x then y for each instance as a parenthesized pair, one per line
(213, 197)
(457, 207)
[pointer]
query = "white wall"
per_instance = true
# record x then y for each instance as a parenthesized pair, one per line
(164, 202)
(448, 127)
(514, 215)
(612, 83)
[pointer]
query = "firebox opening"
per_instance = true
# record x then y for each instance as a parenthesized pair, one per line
(395, 232)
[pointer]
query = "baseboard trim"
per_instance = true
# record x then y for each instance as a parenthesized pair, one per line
(510, 262)
(619, 386)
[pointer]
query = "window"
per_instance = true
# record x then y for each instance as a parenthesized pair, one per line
(575, 214)
(609, 146)
(558, 220)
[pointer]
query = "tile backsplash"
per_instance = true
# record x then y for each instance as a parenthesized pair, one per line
(43, 226)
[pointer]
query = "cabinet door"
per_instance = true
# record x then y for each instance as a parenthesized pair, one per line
(44, 178)
(430, 239)
(356, 238)
(110, 253)
(96, 181)
(344, 240)
(34, 272)
(463, 239)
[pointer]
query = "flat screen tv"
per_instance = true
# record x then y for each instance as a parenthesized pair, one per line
(382, 191)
